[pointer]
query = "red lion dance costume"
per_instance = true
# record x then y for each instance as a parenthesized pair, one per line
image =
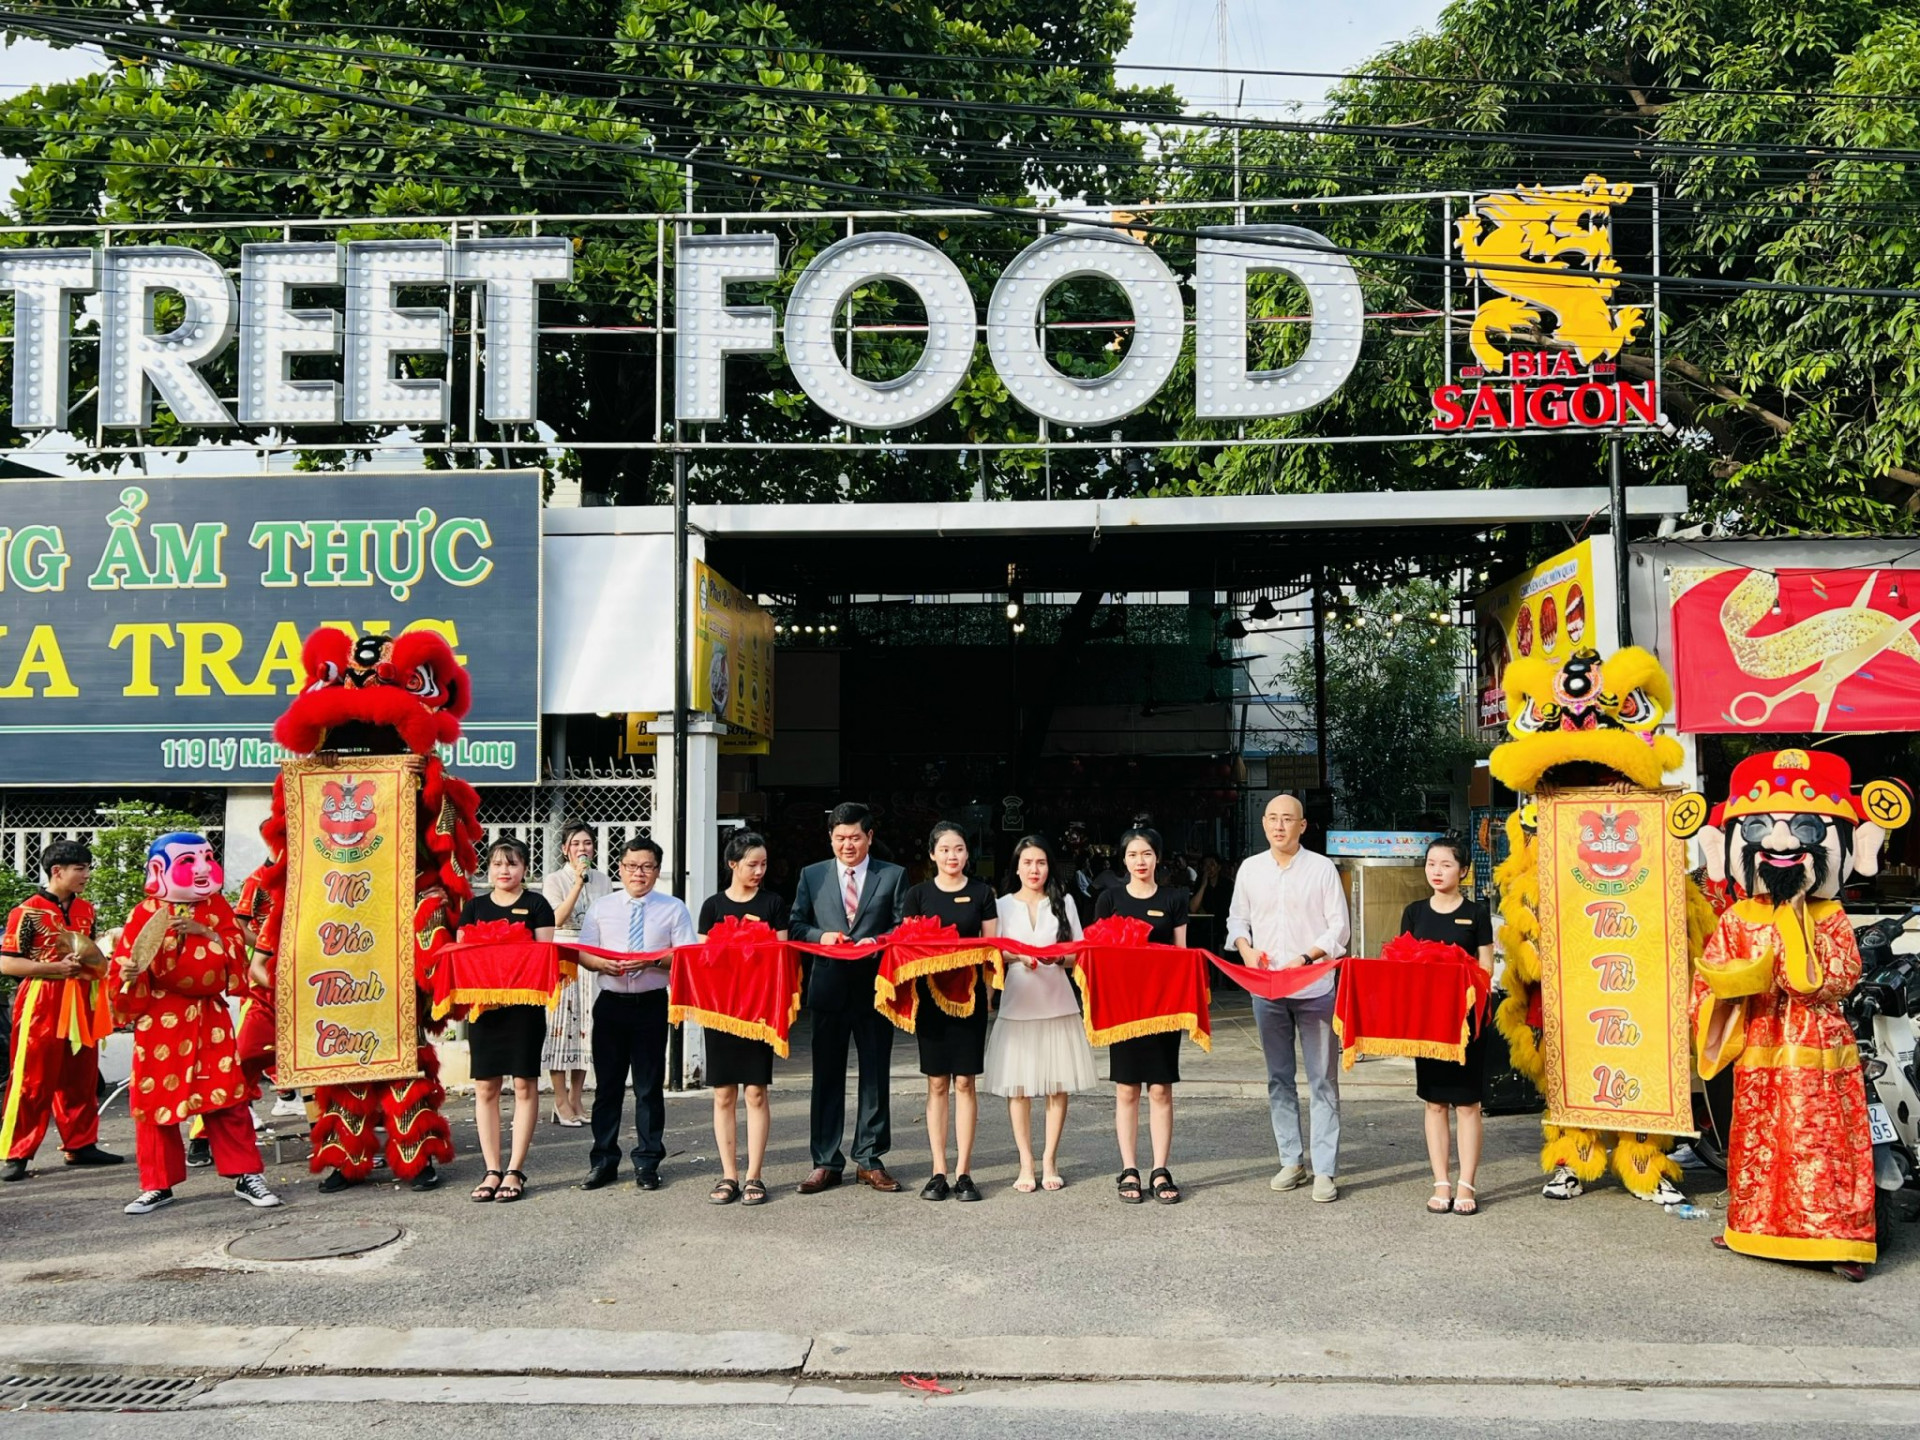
(386, 695)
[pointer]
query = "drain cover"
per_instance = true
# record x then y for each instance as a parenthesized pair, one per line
(95, 1392)
(313, 1240)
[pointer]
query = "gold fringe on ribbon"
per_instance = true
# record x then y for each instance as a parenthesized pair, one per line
(886, 992)
(506, 996)
(731, 1025)
(1188, 1023)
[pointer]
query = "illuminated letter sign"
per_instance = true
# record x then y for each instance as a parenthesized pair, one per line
(823, 288)
(1224, 389)
(42, 282)
(272, 333)
(1020, 357)
(136, 360)
(709, 328)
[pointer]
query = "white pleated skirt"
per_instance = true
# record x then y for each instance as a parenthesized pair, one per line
(1028, 1058)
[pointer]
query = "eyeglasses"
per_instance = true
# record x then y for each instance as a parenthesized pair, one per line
(643, 868)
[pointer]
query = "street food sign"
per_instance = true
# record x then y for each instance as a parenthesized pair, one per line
(1545, 339)
(151, 630)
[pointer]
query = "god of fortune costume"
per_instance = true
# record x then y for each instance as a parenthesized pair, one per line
(176, 961)
(386, 695)
(1584, 722)
(253, 911)
(1766, 1000)
(57, 1029)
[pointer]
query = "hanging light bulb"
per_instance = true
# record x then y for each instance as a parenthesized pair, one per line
(1396, 617)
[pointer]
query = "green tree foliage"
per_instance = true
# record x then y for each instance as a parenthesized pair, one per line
(1393, 702)
(618, 93)
(1783, 140)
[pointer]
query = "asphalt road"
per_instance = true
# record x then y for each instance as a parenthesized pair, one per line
(1234, 1259)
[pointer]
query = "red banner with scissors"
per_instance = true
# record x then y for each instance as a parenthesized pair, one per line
(1817, 650)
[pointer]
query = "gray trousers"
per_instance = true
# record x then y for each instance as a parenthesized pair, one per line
(1312, 1021)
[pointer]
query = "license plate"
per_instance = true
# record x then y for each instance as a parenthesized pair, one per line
(1881, 1123)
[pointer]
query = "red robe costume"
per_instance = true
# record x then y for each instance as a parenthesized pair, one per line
(185, 1061)
(1767, 999)
(387, 695)
(256, 1011)
(57, 1029)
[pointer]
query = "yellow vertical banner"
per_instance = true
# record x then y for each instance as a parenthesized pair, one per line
(1613, 961)
(732, 654)
(345, 1004)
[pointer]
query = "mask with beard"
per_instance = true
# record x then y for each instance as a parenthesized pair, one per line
(1788, 856)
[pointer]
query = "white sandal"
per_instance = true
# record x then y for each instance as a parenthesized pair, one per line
(1446, 1208)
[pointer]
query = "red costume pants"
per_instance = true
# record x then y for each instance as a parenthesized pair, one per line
(346, 1137)
(49, 1079)
(163, 1159)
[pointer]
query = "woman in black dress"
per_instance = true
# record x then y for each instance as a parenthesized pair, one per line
(1150, 1060)
(1450, 917)
(507, 1039)
(734, 1062)
(953, 1050)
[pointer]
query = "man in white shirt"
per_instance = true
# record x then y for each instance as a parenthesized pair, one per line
(1288, 910)
(630, 1015)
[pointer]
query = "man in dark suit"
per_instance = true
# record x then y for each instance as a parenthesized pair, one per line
(851, 897)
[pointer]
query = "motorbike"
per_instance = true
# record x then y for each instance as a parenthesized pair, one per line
(1884, 1010)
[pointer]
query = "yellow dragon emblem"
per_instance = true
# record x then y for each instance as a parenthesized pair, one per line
(1524, 244)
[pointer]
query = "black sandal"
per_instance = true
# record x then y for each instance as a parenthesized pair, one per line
(1129, 1183)
(754, 1192)
(484, 1192)
(511, 1192)
(1164, 1190)
(724, 1193)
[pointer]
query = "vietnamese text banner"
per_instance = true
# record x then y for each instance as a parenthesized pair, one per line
(150, 630)
(1613, 961)
(345, 1002)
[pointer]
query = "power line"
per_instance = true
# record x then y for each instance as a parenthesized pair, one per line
(1592, 144)
(1623, 87)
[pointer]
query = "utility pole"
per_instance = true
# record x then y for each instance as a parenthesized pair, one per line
(1617, 503)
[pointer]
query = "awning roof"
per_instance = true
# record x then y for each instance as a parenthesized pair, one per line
(1225, 542)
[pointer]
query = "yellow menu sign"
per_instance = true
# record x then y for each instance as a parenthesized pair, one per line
(1550, 611)
(1613, 961)
(345, 1005)
(732, 654)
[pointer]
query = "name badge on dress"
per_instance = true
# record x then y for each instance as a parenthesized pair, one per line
(520, 910)
(1157, 914)
(1467, 921)
(963, 899)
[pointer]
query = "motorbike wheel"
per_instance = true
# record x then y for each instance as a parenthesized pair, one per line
(1883, 1218)
(1711, 1152)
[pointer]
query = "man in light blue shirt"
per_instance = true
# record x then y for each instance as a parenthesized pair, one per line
(630, 1015)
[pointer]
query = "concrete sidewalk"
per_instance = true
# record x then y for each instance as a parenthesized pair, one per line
(225, 1352)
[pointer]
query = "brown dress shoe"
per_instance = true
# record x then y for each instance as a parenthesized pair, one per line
(878, 1179)
(819, 1179)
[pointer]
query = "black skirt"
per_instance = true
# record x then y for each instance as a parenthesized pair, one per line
(1441, 1082)
(1148, 1060)
(732, 1060)
(951, 1044)
(507, 1040)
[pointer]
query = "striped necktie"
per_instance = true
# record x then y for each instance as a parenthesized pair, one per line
(853, 896)
(637, 926)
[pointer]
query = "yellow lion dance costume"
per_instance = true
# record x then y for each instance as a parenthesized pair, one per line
(1583, 723)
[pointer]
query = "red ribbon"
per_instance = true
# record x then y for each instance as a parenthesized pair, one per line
(1420, 998)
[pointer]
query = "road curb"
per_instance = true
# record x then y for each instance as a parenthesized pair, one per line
(1389, 1358)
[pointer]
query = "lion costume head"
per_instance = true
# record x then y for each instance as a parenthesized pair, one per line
(1586, 722)
(376, 695)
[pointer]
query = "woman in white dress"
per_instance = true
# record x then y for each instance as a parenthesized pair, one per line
(571, 890)
(1038, 1045)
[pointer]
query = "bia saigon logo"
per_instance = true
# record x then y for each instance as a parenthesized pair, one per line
(347, 821)
(1610, 852)
(1547, 337)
